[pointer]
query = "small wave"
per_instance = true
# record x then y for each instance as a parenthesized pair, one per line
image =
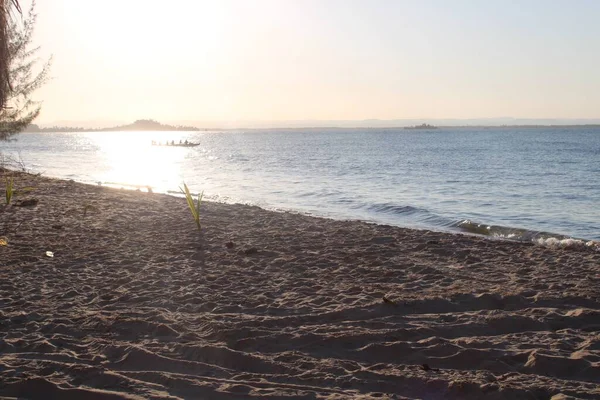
(569, 243)
(406, 215)
(545, 239)
(390, 208)
(324, 193)
(504, 232)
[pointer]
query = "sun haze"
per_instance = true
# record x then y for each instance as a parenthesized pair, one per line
(318, 60)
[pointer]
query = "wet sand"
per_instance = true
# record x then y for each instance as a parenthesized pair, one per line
(136, 303)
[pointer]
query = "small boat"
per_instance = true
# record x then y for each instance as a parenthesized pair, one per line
(189, 144)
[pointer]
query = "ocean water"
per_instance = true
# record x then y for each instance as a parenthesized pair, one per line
(517, 183)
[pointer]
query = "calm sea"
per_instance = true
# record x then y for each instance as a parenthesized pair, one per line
(516, 183)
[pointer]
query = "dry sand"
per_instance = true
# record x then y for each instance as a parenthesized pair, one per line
(137, 304)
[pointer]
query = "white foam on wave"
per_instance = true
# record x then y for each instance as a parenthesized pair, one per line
(568, 243)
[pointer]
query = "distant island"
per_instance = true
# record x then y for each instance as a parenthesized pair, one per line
(149, 125)
(36, 128)
(422, 126)
(139, 125)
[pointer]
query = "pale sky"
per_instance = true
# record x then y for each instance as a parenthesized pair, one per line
(275, 60)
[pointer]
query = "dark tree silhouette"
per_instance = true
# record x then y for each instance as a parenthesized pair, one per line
(6, 7)
(19, 109)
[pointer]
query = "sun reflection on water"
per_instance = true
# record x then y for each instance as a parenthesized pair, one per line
(132, 161)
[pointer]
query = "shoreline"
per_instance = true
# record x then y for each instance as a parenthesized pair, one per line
(463, 227)
(136, 303)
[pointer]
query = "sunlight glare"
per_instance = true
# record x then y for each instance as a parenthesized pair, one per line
(132, 162)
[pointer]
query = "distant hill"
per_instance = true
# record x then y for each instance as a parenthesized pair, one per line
(149, 125)
(139, 125)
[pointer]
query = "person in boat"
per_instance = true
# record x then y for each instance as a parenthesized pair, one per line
(186, 142)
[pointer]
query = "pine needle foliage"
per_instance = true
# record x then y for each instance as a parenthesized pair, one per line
(7, 9)
(20, 109)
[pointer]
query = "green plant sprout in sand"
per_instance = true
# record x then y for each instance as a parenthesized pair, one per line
(10, 190)
(194, 208)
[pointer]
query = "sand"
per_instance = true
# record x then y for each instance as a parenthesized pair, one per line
(137, 304)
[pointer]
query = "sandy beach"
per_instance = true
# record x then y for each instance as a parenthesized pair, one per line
(135, 303)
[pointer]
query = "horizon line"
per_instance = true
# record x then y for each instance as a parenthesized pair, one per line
(487, 122)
